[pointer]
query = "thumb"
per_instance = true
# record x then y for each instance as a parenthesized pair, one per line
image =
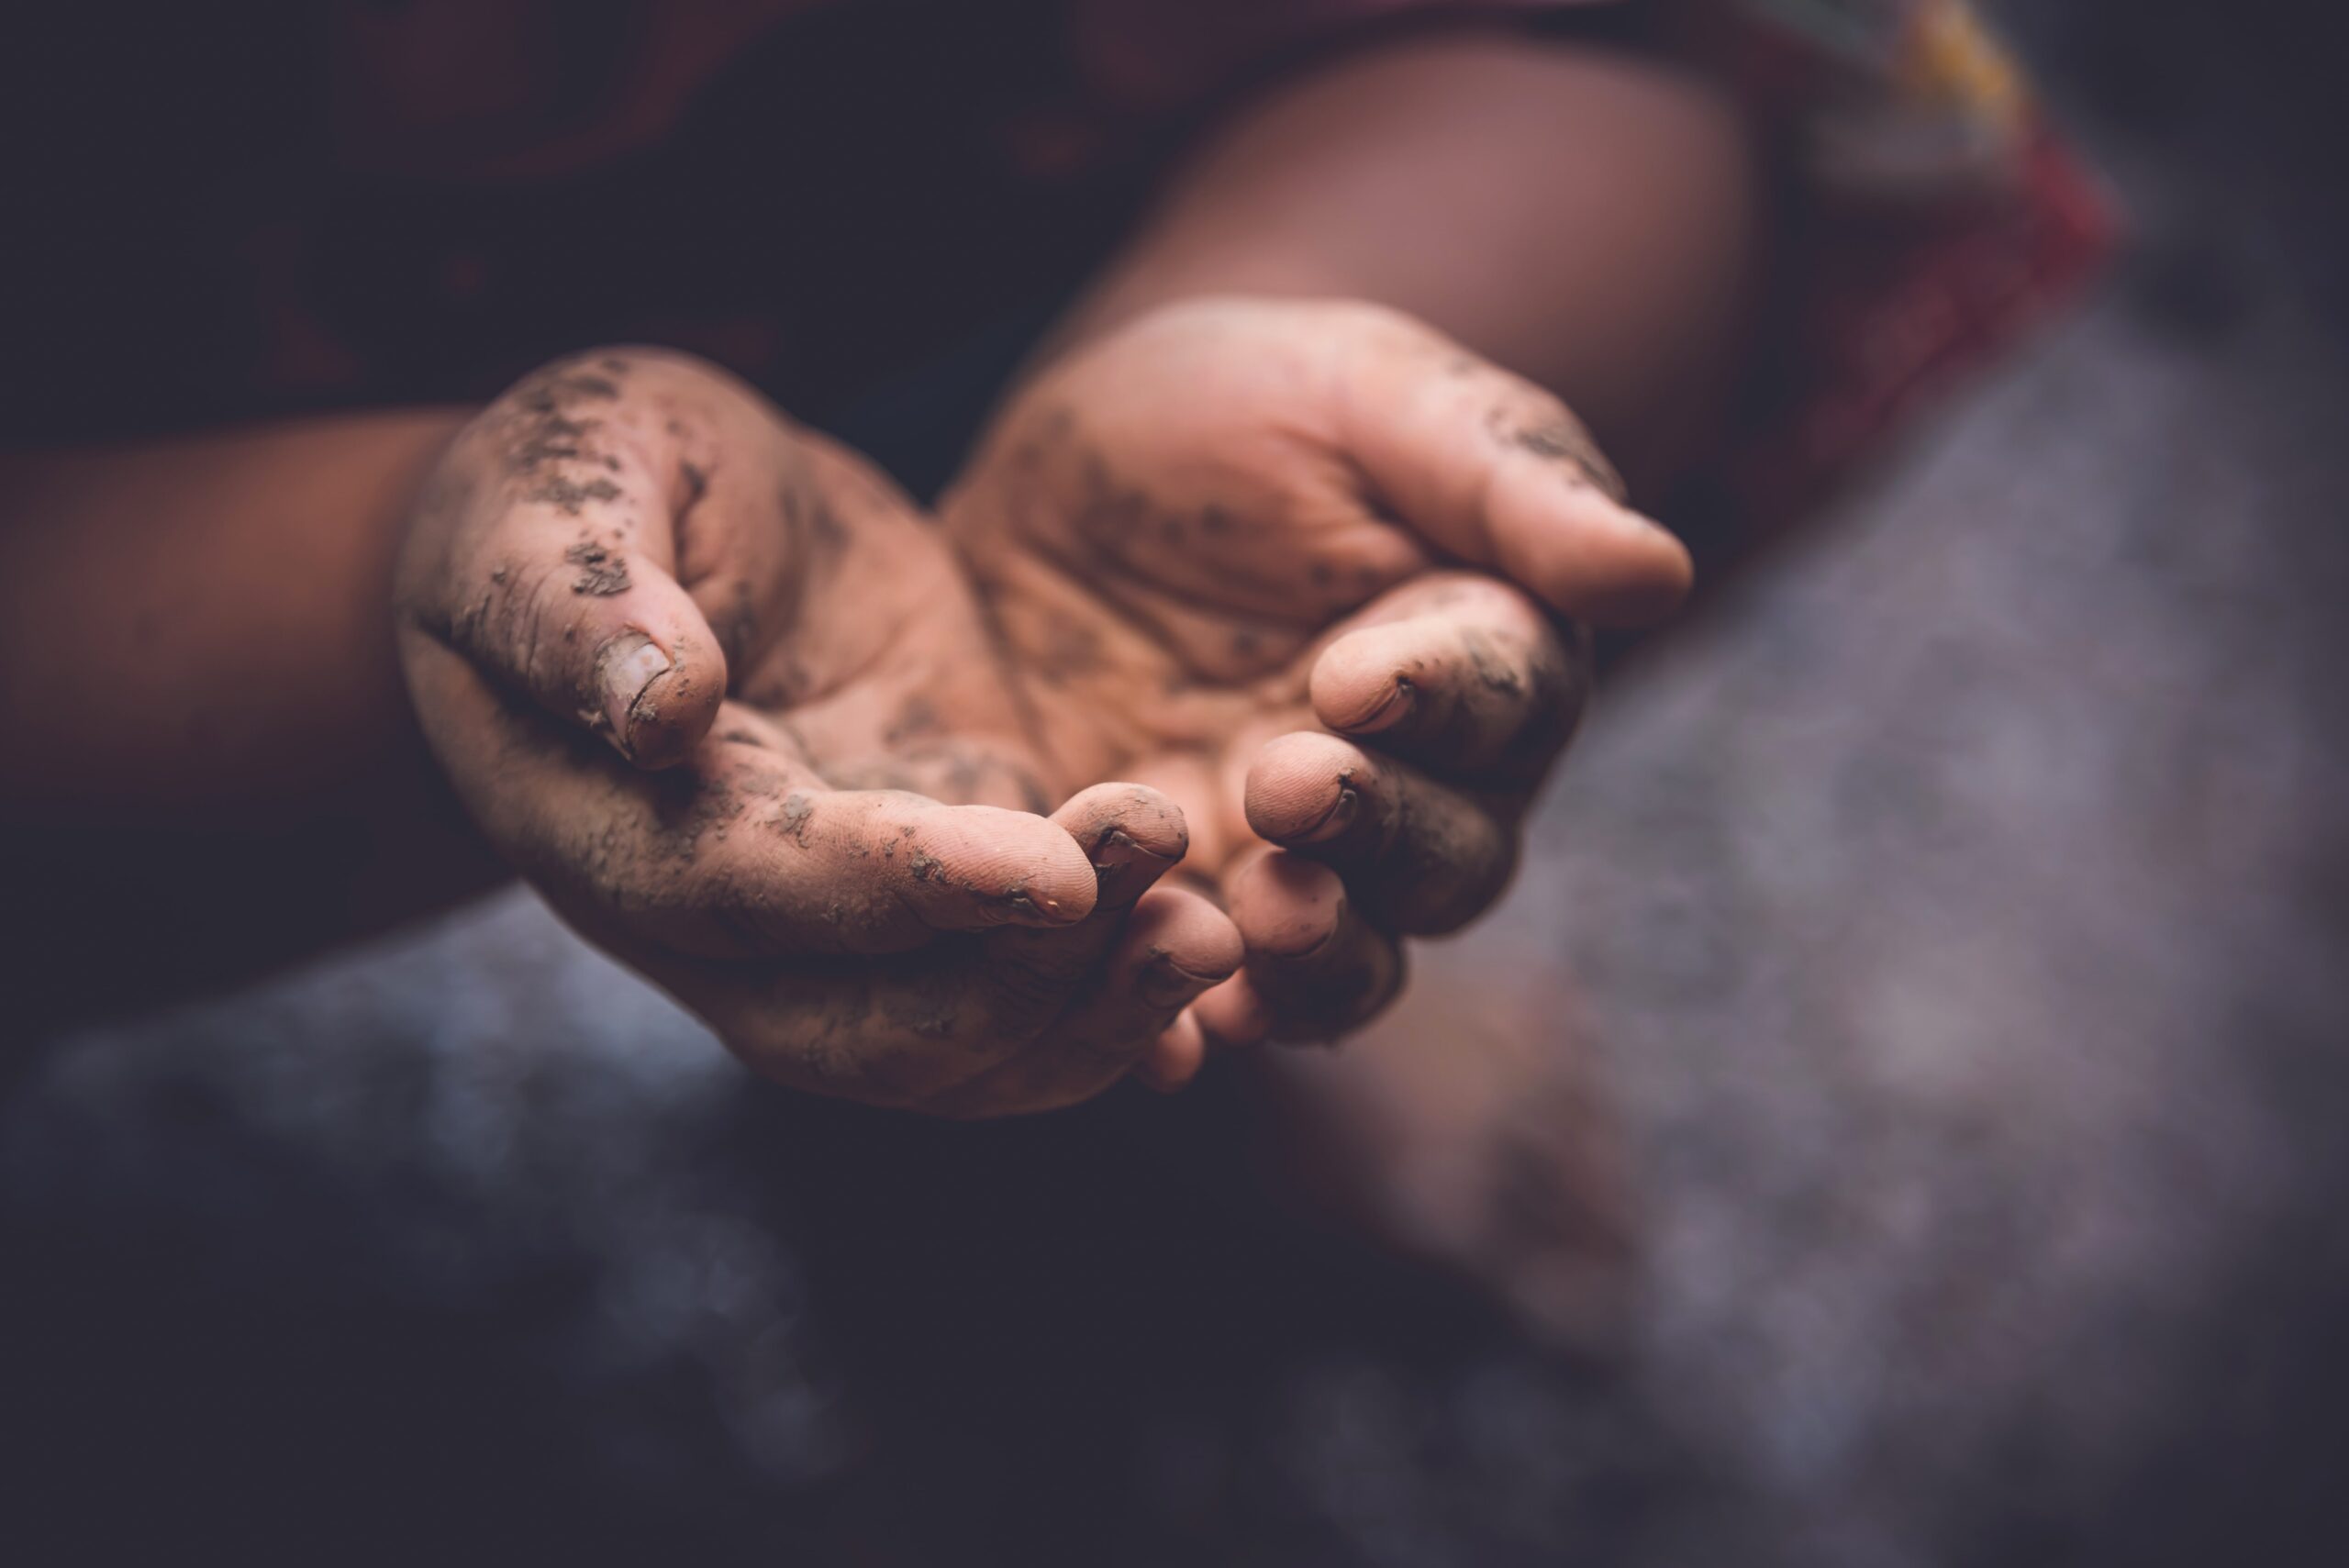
(557, 578)
(1497, 470)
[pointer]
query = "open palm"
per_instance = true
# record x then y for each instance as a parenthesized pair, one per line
(725, 697)
(1259, 555)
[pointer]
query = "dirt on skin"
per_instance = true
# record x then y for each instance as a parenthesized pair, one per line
(602, 573)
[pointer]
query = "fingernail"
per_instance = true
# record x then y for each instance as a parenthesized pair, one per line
(1393, 711)
(629, 664)
(1117, 858)
(1020, 898)
(1166, 983)
(1340, 818)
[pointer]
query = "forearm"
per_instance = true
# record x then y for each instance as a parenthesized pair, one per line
(210, 759)
(1581, 218)
(202, 632)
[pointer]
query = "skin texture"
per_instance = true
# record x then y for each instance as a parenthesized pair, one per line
(748, 719)
(202, 689)
(1239, 550)
(727, 700)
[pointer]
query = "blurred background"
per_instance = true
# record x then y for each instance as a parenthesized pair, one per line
(1957, 908)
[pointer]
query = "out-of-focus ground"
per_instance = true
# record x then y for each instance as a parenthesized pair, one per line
(1958, 908)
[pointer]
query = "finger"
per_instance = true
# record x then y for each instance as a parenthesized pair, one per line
(1418, 855)
(1130, 836)
(1176, 1056)
(1031, 980)
(848, 867)
(564, 589)
(741, 852)
(1234, 1013)
(1459, 673)
(1497, 470)
(1174, 946)
(930, 1029)
(1315, 968)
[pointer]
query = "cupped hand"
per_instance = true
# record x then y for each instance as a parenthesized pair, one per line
(1321, 576)
(711, 684)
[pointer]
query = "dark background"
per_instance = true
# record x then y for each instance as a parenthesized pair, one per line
(1960, 902)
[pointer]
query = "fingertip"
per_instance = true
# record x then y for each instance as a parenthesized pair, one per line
(1655, 578)
(658, 705)
(1287, 907)
(973, 867)
(1174, 1057)
(601, 636)
(1063, 888)
(1301, 788)
(1233, 1014)
(1363, 684)
(1189, 937)
(1375, 677)
(626, 668)
(1582, 551)
(1131, 834)
(1151, 820)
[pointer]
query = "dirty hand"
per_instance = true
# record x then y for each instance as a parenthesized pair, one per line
(1319, 574)
(725, 699)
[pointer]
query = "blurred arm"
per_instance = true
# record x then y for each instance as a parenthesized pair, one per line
(210, 762)
(1583, 217)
